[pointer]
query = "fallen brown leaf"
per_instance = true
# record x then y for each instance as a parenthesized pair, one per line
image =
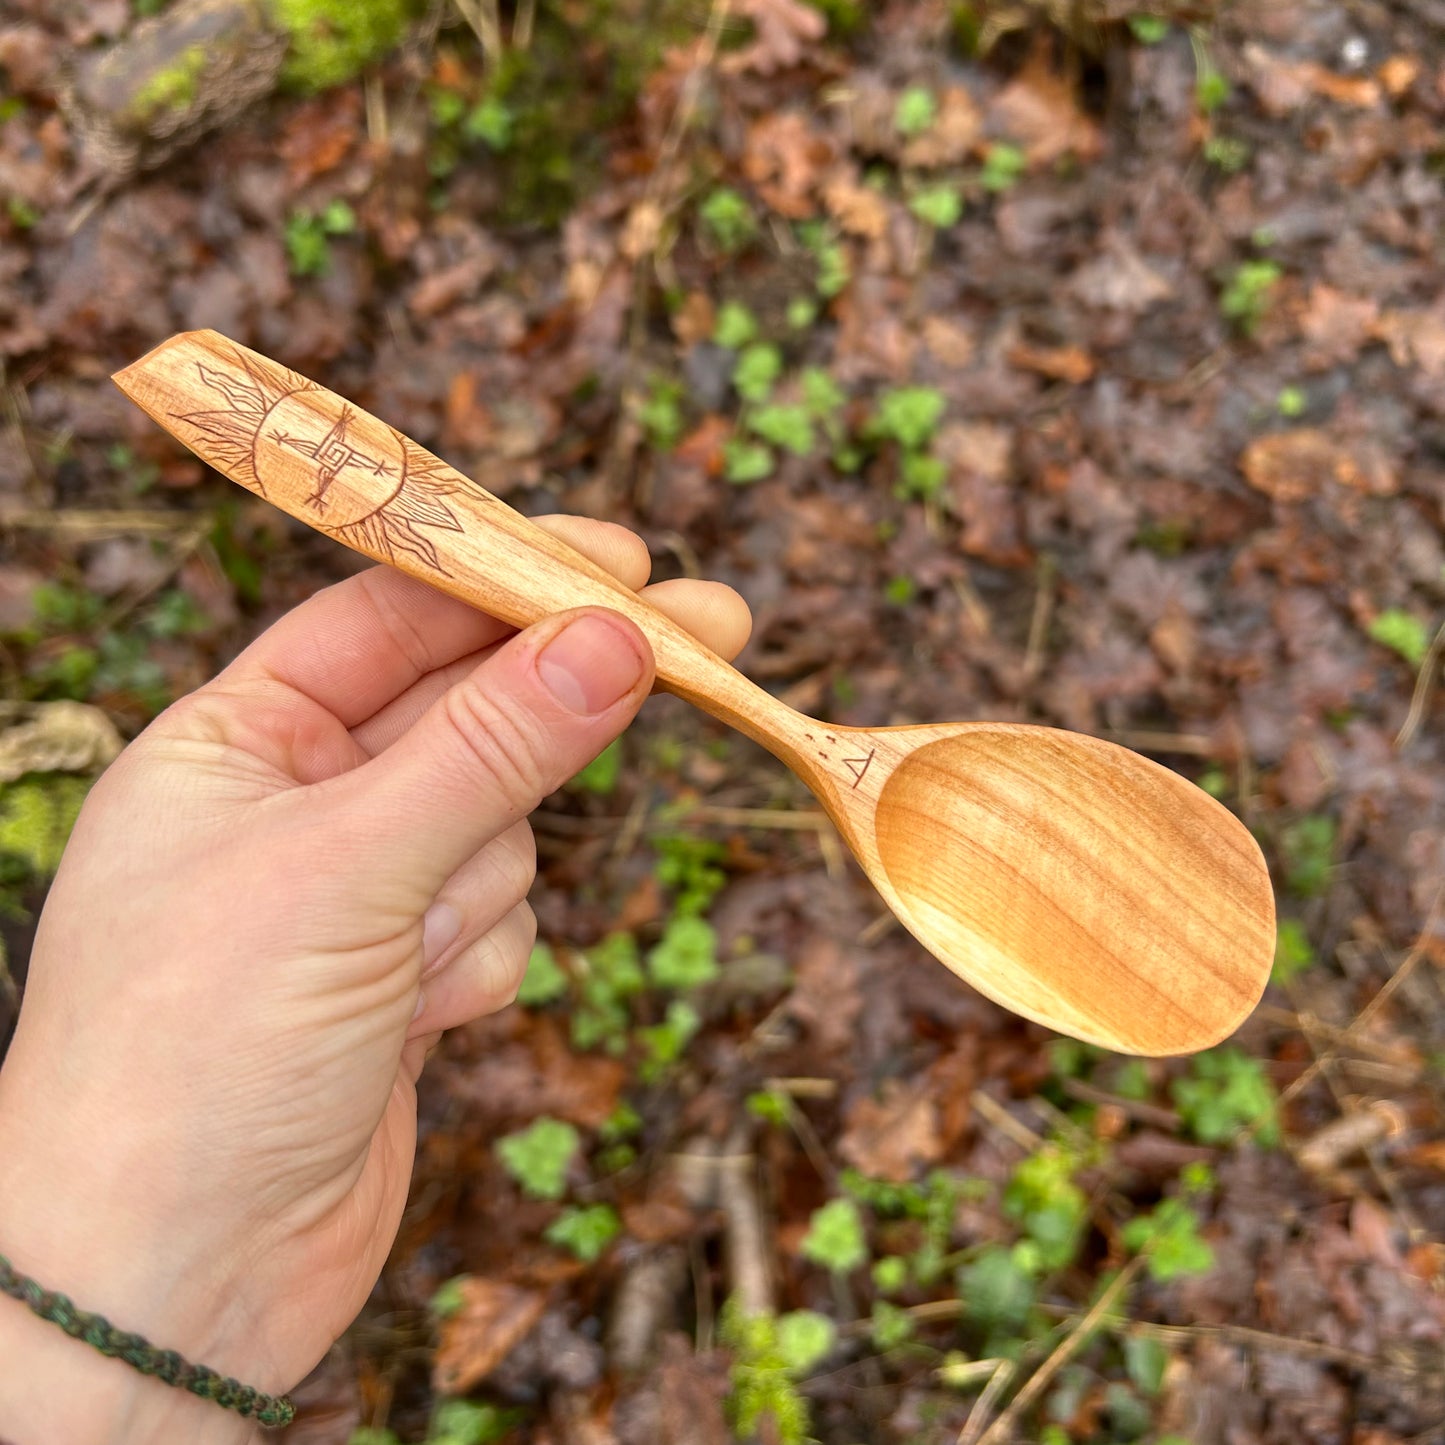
(953, 137)
(1290, 466)
(1040, 109)
(858, 209)
(890, 1137)
(493, 1319)
(782, 32)
(783, 157)
(1059, 363)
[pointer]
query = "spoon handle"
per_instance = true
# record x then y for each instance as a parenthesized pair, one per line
(340, 470)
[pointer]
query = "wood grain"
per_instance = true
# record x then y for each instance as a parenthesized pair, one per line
(1066, 877)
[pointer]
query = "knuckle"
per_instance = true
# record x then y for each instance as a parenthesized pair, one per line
(500, 745)
(516, 861)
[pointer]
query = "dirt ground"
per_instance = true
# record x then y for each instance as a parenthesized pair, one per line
(1084, 374)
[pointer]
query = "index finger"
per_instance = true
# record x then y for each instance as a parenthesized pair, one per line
(355, 646)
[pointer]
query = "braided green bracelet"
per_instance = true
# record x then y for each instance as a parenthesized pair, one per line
(272, 1411)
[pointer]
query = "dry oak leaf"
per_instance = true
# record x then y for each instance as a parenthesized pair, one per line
(1059, 363)
(1336, 325)
(1040, 110)
(55, 737)
(1284, 85)
(1415, 338)
(952, 137)
(1290, 466)
(784, 157)
(858, 210)
(493, 1319)
(783, 30)
(948, 341)
(890, 1137)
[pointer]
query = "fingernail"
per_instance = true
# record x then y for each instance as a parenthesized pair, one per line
(439, 931)
(420, 1008)
(590, 665)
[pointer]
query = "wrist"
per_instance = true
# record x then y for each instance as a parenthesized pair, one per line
(57, 1388)
(78, 1216)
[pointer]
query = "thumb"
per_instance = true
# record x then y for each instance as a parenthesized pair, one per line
(493, 746)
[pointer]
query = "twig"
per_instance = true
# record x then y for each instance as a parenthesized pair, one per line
(1160, 1118)
(995, 1113)
(1421, 696)
(1042, 614)
(998, 1382)
(1002, 1429)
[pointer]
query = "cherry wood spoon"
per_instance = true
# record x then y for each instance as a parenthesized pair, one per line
(1065, 877)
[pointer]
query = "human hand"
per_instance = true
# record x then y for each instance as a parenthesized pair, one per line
(272, 905)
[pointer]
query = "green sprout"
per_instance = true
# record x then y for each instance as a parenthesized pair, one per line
(538, 1156)
(835, 1237)
(1402, 633)
(916, 110)
(585, 1230)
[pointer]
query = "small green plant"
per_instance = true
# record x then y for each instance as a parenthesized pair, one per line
(890, 1274)
(492, 122)
(916, 110)
(939, 206)
(821, 394)
(920, 477)
(758, 367)
(770, 1355)
(465, 1422)
(22, 214)
(585, 1230)
(728, 219)
(612, 974)
(787, 426)
(308, 237)
(771, 1106)
(1308, 845)
(686, 956)
(1291, 402)
(539, 1156)
(802, 312)
(1225, 1091)
(835, 1237)
(1403, 633)
(1003, 165)
(745, 462)
(333, 40)
(602, 773)
(544, 980)
(689, 868)
(735, 326)
(890, 1326)
(661, 413)
(1227, 153)
(665, 1043)
(1148, 29)
(900, 591)
(448, 1298)
(1293, 952)
(1247, 294)
(828, 251)
(997, 1291)
(368, 1435)
(1168, 1238)
(1050, 1208)
(1211, 89)
(1145, 1360)
(908, 415)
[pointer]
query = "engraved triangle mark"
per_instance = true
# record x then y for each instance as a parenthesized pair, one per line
(859, 766)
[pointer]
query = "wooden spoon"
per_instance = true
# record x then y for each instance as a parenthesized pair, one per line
(1065, 877)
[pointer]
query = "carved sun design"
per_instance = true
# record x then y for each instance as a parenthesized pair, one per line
(364, 482)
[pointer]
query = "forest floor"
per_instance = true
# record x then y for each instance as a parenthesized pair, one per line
(1095, 381)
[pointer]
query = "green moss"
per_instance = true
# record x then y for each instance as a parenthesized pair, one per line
(37, 813)
(174, 87)
(333, 40)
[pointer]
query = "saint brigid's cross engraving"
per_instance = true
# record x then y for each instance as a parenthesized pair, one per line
(363, 482)
(332, 455)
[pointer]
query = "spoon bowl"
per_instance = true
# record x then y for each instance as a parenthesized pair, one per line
(1067, 878)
